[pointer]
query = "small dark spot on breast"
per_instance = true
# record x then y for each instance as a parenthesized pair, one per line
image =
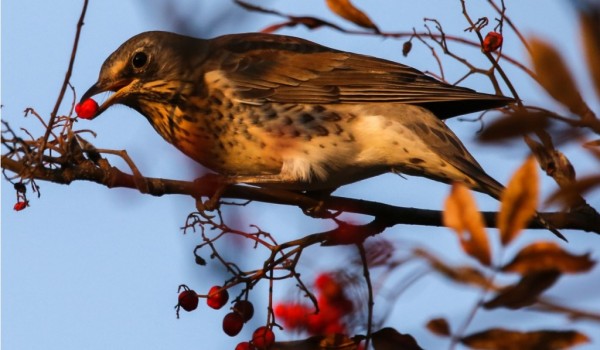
(270, 114)
(334, 117)
(416, 160)
(286, 121)
(318, 108)
(255, 120)
(351, 116)
(216, 101)
(405, 150)
(218, 115)
(338, 129)
(320, 130)
(306, 118)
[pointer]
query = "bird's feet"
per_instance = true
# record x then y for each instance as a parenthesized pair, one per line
(319, 210)
(212, 186)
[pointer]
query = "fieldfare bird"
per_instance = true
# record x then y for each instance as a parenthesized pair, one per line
(275, 110)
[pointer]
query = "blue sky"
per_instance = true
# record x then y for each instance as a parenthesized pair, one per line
(86, 267)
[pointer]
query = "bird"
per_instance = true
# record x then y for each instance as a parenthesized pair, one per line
(279, 111)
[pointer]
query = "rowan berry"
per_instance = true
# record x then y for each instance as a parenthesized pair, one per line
(245, 309)
(20, 206)
(263, 337)
(232, 324)
(492, 41)
(217, 297)
(188, 300)
(87, 109)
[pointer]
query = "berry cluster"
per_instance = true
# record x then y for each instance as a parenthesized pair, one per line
(334, 306)
(241, 312)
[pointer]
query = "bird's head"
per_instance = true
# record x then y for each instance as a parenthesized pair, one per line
(140, 69)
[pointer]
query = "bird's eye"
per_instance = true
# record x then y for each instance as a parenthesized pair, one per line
(139, 60)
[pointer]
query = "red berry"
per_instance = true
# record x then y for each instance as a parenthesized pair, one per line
(232, 324)
(245, 309)
(188, 300)
(244, 346)
(20, 206)
(87, 109)
(492, 42)
(328, 286)
(263, 337)
(217, 297)
(294, 316)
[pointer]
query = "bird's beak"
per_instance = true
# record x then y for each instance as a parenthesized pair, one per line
(118, 87)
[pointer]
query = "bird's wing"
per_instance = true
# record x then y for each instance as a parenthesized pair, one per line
(282, 69)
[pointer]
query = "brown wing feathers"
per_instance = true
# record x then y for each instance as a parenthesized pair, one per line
(281, 71)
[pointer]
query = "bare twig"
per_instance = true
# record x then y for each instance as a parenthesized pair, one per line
(66, 81)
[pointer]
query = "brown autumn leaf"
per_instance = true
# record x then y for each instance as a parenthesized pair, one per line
(592, 144)
(590, 32)
(525, 292)
(460, 274)
(505, 339)
(541, 256)
(518, 202)
(514, 125)
(390, 339)
(554, 76)
(346, 10)
(439, 326)
(461, 215)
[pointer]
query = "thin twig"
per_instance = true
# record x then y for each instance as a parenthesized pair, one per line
(370, 303)
(66, 81)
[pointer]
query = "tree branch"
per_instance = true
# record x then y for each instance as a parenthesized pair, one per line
(103, 173)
